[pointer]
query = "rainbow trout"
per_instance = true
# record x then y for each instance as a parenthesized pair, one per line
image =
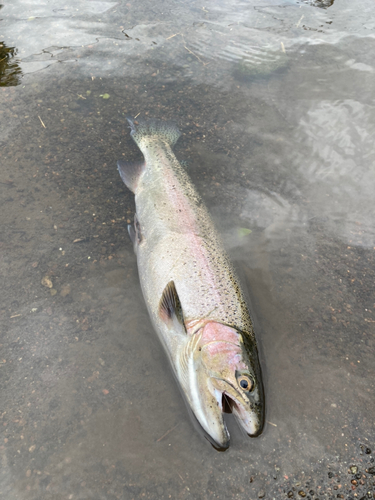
(191, 290)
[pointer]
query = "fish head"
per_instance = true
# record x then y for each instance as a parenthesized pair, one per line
(227, 378)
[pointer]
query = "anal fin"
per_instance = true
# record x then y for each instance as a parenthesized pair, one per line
(170, 309)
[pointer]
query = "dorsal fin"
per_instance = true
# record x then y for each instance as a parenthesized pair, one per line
(170, 310)
(130, 172)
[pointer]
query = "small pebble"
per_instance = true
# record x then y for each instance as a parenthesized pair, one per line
(302, 493)
(290, 494)
(354, 469)
(47, 282)
(261, 494)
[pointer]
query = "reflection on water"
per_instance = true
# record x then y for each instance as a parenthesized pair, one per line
(340, 134)
(260, 65)
(10, 71)
(275, 106)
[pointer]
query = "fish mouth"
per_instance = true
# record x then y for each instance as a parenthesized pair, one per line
(228, 403)
(218, 436)
(217, 433)
(217, 397)
(219, 445)
(245, 410)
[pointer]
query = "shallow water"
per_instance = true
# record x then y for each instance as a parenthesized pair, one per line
(275, 104)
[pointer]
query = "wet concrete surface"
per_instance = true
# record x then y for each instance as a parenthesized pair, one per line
(275, 107)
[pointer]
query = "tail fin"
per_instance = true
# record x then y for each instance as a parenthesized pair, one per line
(166, 131)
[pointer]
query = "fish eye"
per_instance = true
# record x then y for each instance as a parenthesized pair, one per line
(246, 383)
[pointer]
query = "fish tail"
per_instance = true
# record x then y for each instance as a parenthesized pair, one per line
(166, 131)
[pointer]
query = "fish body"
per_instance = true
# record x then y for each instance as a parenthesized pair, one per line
(191, 290)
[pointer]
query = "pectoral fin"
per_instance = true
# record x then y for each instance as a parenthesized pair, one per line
(137, 228)
(170, 310)
(135, 232)
(132, 234)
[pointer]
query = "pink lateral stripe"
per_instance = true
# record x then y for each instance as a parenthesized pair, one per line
(187, 220)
